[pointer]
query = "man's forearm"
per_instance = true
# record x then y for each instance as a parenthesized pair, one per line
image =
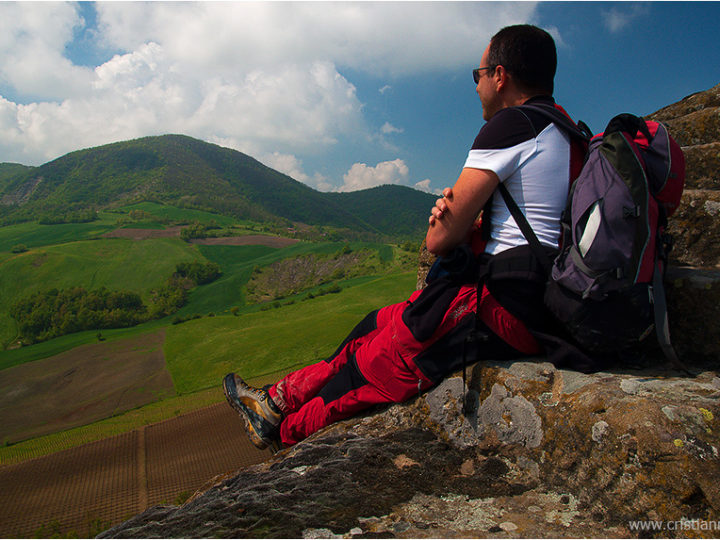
(453, 217)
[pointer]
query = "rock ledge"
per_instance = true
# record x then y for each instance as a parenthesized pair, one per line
(543, 453)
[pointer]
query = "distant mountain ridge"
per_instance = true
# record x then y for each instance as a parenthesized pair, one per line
(181, 170)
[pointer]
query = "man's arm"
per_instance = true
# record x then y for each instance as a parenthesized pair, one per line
(453, 216)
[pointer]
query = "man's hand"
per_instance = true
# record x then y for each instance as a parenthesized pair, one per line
(438, 211)
(453, 216)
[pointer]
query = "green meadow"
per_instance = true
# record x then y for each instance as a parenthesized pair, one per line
(33, 235)
(215, 332)
(199, 353)
(173, 214)
(115, 263)
(262, 346)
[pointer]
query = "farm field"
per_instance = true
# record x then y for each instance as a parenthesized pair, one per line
(82, 491)
(200, 352)
(81, 386)
(95, 431)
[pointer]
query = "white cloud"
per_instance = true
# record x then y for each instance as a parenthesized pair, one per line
(260, 77)
(617, 19)
(360, 176)
(388, 128)
(286, 164)
(393, 38)
(385, 88)
(32, 41)
(423, 185)
(293, 167)
(142, 93)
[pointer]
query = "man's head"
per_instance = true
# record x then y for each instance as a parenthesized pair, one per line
(528, 54)
(519, 61)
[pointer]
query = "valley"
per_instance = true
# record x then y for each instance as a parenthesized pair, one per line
(104, 396)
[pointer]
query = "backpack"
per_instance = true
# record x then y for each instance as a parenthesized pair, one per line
(605, 286)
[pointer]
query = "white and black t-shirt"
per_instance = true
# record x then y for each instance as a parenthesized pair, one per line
(532, 156)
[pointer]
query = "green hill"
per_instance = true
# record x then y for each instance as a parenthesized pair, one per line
(8, 171)
(391, 208)
(182, 171)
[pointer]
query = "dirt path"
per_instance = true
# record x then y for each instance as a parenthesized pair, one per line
(144, 234)
(170, 232)
(111, 480)
(249, 240)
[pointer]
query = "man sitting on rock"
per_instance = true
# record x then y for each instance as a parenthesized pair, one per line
(402, 349)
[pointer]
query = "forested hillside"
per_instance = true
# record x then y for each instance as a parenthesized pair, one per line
(182, 171)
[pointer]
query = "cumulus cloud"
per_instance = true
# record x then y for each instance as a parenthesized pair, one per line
(143, 93)
(32, 40)
(391, 38)
(423, 185)
(360, 176)
(260, 77)
(293, 167)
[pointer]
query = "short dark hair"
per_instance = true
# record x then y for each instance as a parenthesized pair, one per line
(528, 54)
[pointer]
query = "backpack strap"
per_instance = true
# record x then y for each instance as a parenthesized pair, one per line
(662, 328)
(579, 130)
(526, 229)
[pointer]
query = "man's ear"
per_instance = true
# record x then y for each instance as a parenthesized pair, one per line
(500, 77)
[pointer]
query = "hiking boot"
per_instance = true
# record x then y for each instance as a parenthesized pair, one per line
(260, 413)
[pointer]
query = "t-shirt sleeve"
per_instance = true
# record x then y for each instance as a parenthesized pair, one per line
(503, 144)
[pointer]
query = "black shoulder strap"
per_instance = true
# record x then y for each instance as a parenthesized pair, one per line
(526, 229)
(662, 330)
(579, 130)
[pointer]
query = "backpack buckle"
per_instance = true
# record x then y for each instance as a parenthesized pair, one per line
(633, 212)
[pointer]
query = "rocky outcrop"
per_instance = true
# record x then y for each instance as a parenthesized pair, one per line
(694, 122)
(542, 453)
(693, 297)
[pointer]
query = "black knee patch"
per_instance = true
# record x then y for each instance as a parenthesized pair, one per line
(346, 380)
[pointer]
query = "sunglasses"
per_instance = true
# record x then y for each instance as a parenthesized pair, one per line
(476, 73)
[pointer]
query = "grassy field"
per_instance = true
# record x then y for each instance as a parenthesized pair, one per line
(237, 263)
(200, 352)
(33, 235)
(262, 346)
(261, 341)
(179, 215)
(113, 263)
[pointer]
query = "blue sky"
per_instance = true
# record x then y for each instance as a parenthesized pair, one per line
(341, 96)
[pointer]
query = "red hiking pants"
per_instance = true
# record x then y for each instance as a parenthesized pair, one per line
(382, 361)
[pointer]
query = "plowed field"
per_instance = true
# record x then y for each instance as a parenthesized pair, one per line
(111, 480)
(246, 240)
(81, 386)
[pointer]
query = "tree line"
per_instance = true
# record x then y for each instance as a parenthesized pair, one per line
(49, 314)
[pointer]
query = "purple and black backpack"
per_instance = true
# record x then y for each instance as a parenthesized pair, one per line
(606, 283)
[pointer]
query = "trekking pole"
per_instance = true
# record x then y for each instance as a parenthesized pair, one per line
(476, 335)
